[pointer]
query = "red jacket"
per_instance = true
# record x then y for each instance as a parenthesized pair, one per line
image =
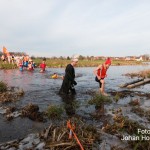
(43, 66)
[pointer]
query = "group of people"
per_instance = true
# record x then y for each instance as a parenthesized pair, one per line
(9, 58)
(23, 62)
(15, 59)
(28, 64)
(69, 78)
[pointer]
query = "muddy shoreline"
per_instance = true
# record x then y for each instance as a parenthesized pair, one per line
(106, 115)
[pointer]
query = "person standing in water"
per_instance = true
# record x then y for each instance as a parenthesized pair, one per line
(100, 73)
(43, 65)
(30, 65)
(20, 64)
(69, 78)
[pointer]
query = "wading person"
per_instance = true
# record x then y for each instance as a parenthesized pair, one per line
(100, 73)
(20, 64)
(30, 65)
(69, 78)
(43, 65)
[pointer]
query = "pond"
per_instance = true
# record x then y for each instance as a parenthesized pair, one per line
(40, 89)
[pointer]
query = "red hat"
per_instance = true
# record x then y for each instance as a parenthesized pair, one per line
(108, 61)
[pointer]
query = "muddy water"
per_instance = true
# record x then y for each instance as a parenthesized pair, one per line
(42, 90)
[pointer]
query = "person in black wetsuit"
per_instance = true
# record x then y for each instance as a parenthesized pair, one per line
(69, 79)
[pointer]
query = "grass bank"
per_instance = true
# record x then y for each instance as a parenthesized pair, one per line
(61, 63)
(7, 66)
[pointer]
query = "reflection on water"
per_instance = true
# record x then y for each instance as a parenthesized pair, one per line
(69, 104)
(42, 90)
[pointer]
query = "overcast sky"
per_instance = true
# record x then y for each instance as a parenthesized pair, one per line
(66, 27)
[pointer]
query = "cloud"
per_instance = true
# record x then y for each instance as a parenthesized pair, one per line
(54, 27)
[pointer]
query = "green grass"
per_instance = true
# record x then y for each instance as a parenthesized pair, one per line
(98, 100)
(59, 63)
(7, 66)
(54, 112)
(62, 63)
(117, 97)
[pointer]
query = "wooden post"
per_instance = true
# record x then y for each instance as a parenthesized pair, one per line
(129, 83)
(138, 83)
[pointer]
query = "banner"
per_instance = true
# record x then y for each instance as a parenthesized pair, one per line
(5, 51)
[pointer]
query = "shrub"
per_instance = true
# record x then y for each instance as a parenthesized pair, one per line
(54, 112)
(98, 100)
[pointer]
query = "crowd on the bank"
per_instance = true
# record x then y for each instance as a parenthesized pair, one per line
(23, 62)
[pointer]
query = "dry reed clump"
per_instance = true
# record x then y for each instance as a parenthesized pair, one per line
(135, 102)
(122, 125)
(141, 112)
(60, 137)
(143, 74)
(10, 109)
(9, 94)
(9, 112)
(3, 87)
(117, 95)
(32, 112)
(132, 75)
(8, 97)
(121, 94)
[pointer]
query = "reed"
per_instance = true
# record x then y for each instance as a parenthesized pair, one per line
(3, 86)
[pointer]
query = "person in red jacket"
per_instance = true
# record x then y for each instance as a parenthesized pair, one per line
(100, 73)
(43, 65)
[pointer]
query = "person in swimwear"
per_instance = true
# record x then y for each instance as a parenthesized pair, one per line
(20, 64)
(26, 61)
(100, 73)
(30, 65)
(56, 76)
(43, 65)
